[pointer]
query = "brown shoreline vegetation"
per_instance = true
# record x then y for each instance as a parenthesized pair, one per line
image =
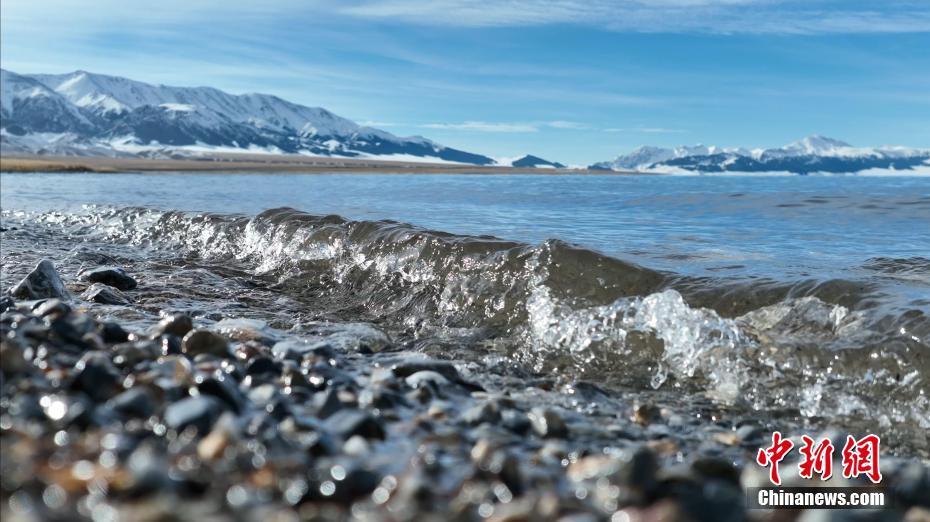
(230, 162)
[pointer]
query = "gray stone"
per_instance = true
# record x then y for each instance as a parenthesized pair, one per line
(174, 324)
(103, 294)
(346, 423)
(43, 282)
(200, 412)
(198, 342)
(109, 275)
(136, 403)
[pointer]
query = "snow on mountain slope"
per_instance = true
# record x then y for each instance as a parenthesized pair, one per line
(808, 155)
(155, 116)
(29, 106)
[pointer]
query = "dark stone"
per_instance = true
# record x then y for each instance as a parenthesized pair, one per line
(109, 275)
(415, 365)
(43, 282)
(263, 365)
(170, 344)
(515, 422)
(103, 294)
(298, 350)
(52, 309)
(127, 355)
(96, 376)
(174, 324)
(637, 469)
(223, 390)
(112, 332)
(327, 403)
(200, 412)
(198, 342)
(6, 303)
(910, 483)
(346, 423)
(716, 469)
(134, 403)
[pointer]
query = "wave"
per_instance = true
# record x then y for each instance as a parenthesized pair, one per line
(818, 348)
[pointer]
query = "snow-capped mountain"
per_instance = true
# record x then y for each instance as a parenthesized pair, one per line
(809, 155)
(91, 112)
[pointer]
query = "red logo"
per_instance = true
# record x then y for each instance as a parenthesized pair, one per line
(860, 457)
(816, 459)
(774, 454)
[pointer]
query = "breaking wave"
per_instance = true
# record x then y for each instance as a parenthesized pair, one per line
(819, 348)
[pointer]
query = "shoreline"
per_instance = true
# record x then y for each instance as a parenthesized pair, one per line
(250, 163)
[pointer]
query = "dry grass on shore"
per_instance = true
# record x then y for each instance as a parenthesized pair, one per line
(253, 163)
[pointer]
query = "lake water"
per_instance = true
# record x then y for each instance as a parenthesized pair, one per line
(810, 293)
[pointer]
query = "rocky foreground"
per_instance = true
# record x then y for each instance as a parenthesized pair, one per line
(191, 418)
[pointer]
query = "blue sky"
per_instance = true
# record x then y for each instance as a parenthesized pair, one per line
(571, 80)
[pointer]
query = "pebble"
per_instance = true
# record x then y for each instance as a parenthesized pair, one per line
(107, 423)
(200, 412)
(175, 324)
(103, 294)
(348, 422)
(109, 275)
(43, 282)
(197, 342)
(135, 403)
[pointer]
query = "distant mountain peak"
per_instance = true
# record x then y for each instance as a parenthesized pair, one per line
(817, 143)
(814, 153)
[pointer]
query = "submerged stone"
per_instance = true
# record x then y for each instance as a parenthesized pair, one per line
(109, 275)
(103, 294)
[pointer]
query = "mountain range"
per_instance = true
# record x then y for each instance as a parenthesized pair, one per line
(83, 113)
(86, 113)
(813, 154)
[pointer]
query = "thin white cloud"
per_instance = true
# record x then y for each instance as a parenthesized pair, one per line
(483, 126)
(646, 130)
(569, 125)
(715, 16)
(507, 127)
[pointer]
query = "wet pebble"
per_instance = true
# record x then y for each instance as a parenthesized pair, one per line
(43, 282)
(200, 412)
(198, 342)
(109, 275)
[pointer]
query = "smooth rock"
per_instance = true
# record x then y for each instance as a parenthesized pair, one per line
(96, 376)
(198, 342)
(296, 349)
(174, 324)
(346, 423)
(43, 282)
(103, 294)
(136, 402)
(263, 365)
(200, 412)
(109, 275)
